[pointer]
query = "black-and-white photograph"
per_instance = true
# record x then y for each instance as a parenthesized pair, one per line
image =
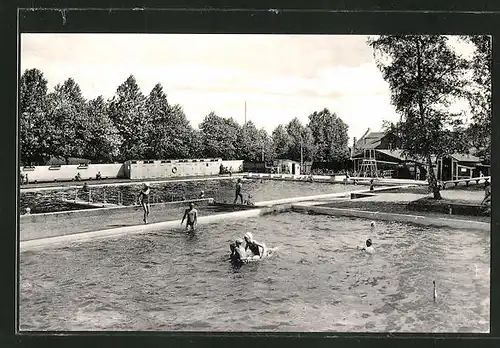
(254, 183)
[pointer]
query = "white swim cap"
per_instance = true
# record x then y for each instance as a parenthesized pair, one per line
(248, 236)
(28, 210)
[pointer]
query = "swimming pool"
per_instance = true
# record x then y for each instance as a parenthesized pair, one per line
(316, 281)
(221, 190)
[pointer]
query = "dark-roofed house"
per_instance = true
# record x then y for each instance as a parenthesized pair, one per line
(377, 140)
(460, 166)
(384, 150)
(392, 163)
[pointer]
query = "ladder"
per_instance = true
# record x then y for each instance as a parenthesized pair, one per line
(369, 165)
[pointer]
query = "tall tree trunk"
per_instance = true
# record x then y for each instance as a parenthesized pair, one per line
(66, 160)
(433, 184)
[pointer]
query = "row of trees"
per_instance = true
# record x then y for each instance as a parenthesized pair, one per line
(426, 75)
(130, 125)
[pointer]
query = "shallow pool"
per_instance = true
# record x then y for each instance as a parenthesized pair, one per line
(316, 281)
(221, 190)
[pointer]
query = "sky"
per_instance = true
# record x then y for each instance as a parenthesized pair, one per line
(279, 76)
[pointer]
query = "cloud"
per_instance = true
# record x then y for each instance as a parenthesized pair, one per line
(281, 76)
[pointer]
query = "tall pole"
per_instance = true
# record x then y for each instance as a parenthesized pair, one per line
(245, 112)
(262, 153)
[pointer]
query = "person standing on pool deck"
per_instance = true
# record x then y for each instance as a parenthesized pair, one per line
(192, 216)
(238, 192)
(144, 201)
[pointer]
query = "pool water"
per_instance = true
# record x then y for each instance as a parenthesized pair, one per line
(315, 281)
(221, 190)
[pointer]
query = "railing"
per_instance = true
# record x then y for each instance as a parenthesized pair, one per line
(466, 181)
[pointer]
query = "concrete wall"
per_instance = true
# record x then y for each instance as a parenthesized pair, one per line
(40, 241)
(172, 169)
(67, 222)
(237, 165)
(68, 172)
(131, 170)
(414, 219)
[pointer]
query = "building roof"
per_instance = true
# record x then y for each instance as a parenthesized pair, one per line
(465, 157)
(286, 161)
(396, 154)
(371, 140)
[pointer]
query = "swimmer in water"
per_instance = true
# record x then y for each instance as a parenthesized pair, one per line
(238, 253)
(192, 217)
(368, 248)
(372, 226)
(253, 246)
(238, 192)
(144, 201)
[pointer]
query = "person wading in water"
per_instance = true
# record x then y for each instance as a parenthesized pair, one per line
(192, 217)
(144, 201)
(238, 192)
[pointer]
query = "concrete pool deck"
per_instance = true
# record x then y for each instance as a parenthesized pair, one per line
(90, 223)
(408, 218)
(427, 219)
(49, 225)
(136, 229)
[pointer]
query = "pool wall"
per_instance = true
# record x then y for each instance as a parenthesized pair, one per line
(130, 170)
(335, 179)
(416, 219)
(160, 226)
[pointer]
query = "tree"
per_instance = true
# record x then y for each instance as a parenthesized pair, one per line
(300, 137)
(160, 127)
(68, 121)
(127, 111)
(182, 132)
(196, 145)
(266, 145)
(425, 76)
(102, 139)
(33, 123)
(281, 142)
(250, 145)
(219, 136)
(479, 95)
(330, 137)
(169, 131)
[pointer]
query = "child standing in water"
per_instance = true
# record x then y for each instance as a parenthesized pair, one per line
(144, 201)
(238, 192)
(368, 248)
(192, 217)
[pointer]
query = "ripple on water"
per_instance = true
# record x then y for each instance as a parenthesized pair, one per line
(319, 281)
